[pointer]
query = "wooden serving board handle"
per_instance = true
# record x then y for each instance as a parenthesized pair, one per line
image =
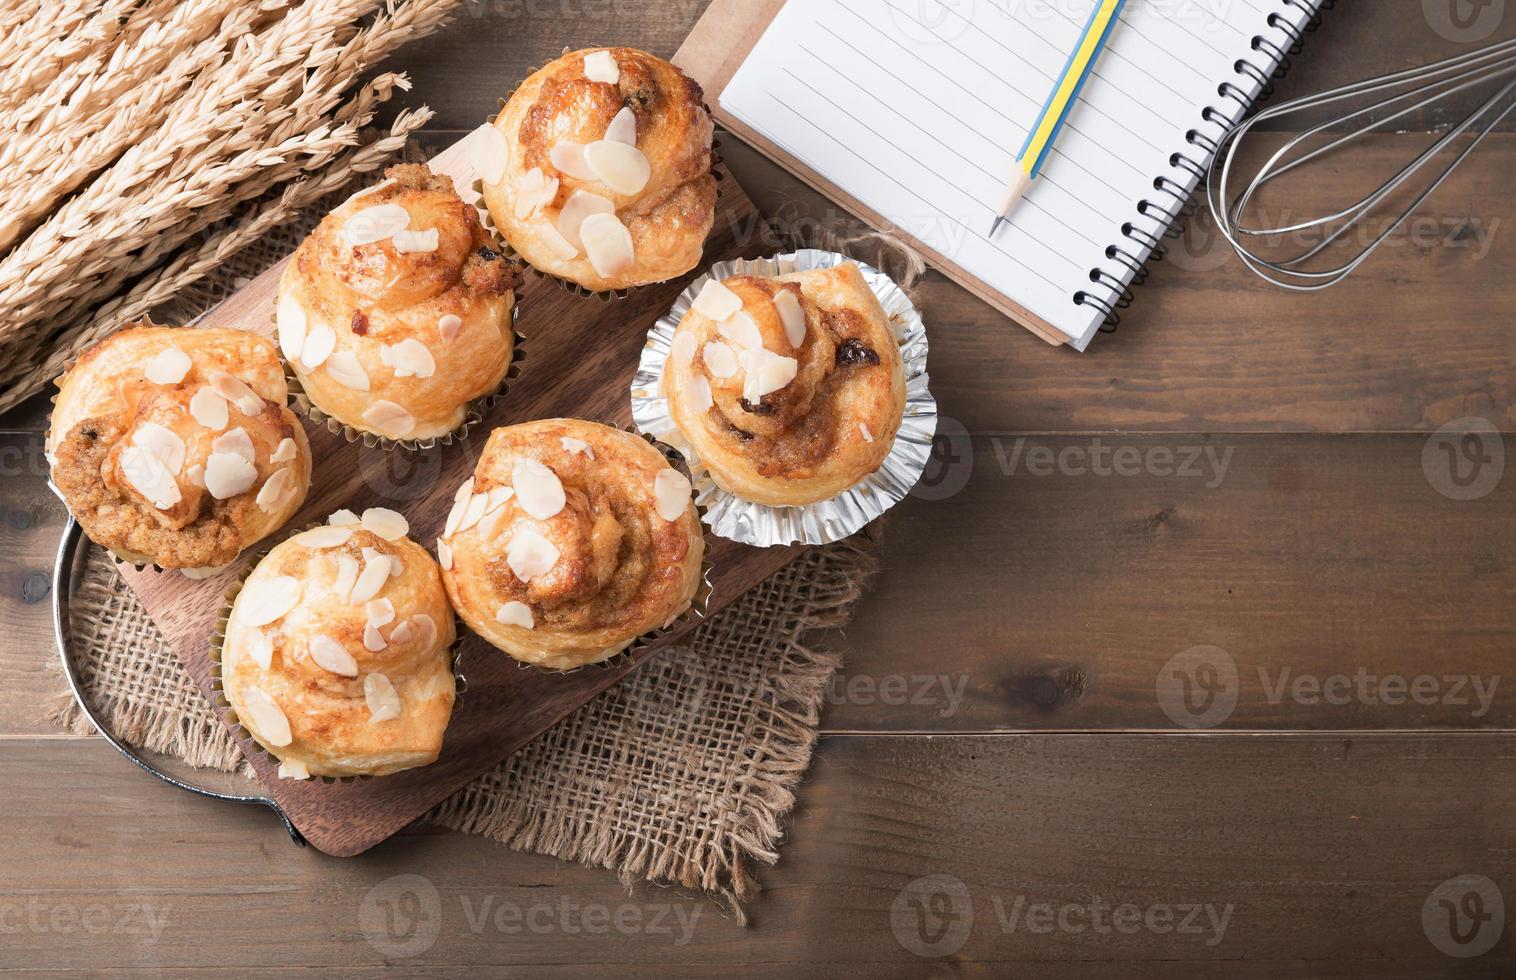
(581, 354)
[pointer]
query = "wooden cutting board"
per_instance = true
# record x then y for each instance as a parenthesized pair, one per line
(581, 354)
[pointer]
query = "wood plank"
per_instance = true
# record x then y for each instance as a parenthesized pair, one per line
(1318, 853)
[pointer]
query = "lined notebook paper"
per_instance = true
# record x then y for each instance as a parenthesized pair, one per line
(916, 107)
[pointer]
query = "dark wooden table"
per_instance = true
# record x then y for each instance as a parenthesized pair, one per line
(1012, 745)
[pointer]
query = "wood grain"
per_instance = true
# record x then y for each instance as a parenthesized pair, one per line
(1323, 849)
(580, 356)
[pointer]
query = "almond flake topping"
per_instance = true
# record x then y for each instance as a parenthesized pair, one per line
(444, 555)
(685, 344)
(237, 442)
(326, 536)
(196, 475)
(601, 66)
(426, 627)
(701, 398)
(489, 524)
(792, 315)
(347, 577)
(671, 490)
(344, 368)
(332, 656)
(267, 718)
(401, 633)
(383, 700)
(538, 489)
(568, 157)
(623, 129)
(373, 640)
(386, 523)
(767, 372)
(719, 359)
(515, 613)
(379, 612)
(208, 408)
(149, 477)
(553, 239)
(572, 446)
(374, 224)
(343, 518)
(620, 166)
(498, 496)
(741, 330)
(319, 344)
(580, 205)
(389, 419)
(169, 367)
(455, 517)
(290, 316)
(293, 769)
(376, 572)
(284, 452)
(535, 190)
(465, 490)
(607, 244)
(415, 241)
(863, 430)
(530, 555)
(259, 647)
(265, 600)
(275, 488)
(410, 359)
(228, 475)
(238, 392)
(487, 154)
(162, 442)
(717, 301)
(448, 326)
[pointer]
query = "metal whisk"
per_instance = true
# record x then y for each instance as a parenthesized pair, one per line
(1399, 94)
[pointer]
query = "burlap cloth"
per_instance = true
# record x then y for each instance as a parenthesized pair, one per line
(682, 773)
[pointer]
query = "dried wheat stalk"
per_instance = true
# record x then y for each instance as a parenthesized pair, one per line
(153, 138)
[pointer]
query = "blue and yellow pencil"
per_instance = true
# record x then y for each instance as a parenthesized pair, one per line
(1039, 140)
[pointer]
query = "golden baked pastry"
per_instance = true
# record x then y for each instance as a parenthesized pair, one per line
(790, 390)
(571, 540)
(173, 446)
(336, 657)
(598, 169)
(396, 312)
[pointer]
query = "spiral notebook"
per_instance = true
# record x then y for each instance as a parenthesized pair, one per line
(907, 112)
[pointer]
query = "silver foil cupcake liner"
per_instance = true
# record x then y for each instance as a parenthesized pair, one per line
(223, 707)
(763, 525)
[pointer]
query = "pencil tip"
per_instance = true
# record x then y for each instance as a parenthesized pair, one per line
(999, 220)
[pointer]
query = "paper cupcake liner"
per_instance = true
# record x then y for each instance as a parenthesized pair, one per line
(568, 285)
(223, 706)
(763, 525)
(473, 415)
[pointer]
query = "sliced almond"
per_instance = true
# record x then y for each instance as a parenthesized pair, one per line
(389, 419)
(489, 524)
(293, 769)
(326, 536)
(623, 129)
(767, 372)
(455, 517)
(343, 518)
(402, 632)
(580, 205)
(535, 190)
(267, 718)
(265, 600)
(569, 158)
(717, 301)
(365, 192)
(472, 511)
(347, 577)
(554, 241)
(257, 645)
(671, 490)
(792, 315)
(497, 497)
(275, 489)
(410, 359)
(444, 555)
(719, 359)
(397, 566)
(382, 698)
(701, 399)
(538, 489)
(530, 555)
(379, 612)
(284, 452)
(427, 627)
(863, 430)
(515, 613)
(344, 368)
(406, 240)
(168, 368)
(196, 475)
(685, 345)
(601, 66)
(488, 153)
(607, 244)
(162, 442)
(374, 224)
(290, 316)
(228, 475)
(319, 344)
(332, 656)
(448, 326)
(376, 572)
(373, 640)
(238, 442)
(573, 446)
(208, 408)
(149, 477)
(741, 330)
(386, 523)
(620, 166)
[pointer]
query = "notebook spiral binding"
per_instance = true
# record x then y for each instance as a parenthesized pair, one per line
(1178, 204)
